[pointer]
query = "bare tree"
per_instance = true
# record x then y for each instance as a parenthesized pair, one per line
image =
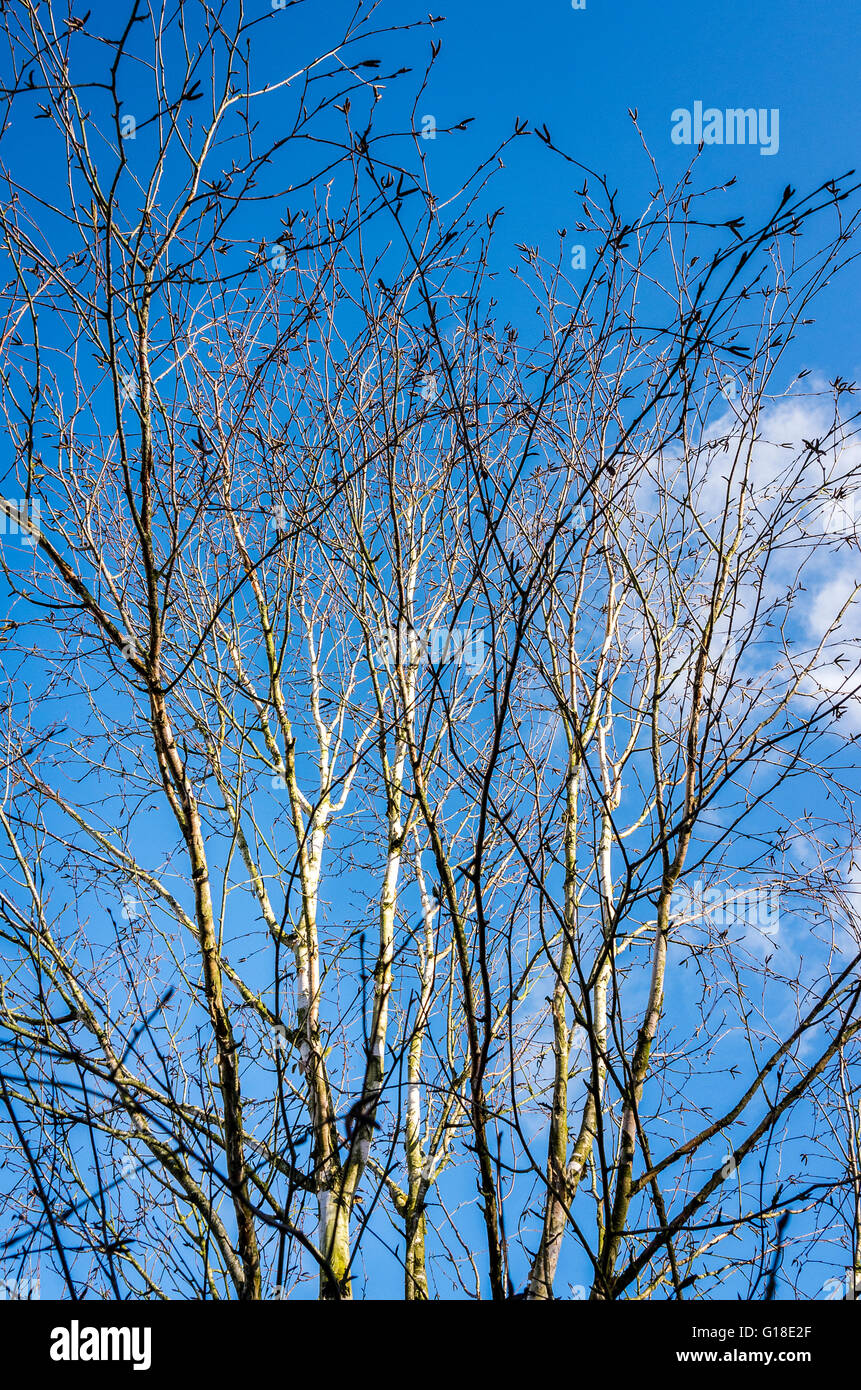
(426, 769)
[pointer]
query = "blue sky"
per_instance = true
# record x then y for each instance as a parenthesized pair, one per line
(579, 71)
